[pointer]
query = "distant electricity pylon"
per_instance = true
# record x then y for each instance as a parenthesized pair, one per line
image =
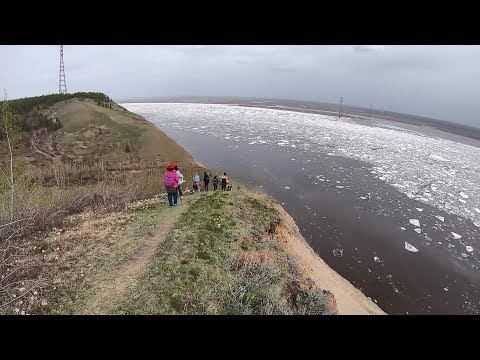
(340, 108)
(62, 84)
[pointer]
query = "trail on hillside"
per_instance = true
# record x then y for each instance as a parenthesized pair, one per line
(36, 149)
(115, 286)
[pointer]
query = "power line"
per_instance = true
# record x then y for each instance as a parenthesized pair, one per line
(340, 108)
(62, 84)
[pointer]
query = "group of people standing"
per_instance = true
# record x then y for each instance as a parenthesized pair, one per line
(197, 184)
(173, 179)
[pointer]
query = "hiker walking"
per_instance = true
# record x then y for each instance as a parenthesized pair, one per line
(170, 180)
(215, 183)
(206, 180)
(196, 183)
(224, 178)
(180, 182)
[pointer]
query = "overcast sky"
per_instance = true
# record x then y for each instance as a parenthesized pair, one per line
(437, 81)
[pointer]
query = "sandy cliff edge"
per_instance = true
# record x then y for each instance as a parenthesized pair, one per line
(349, 300)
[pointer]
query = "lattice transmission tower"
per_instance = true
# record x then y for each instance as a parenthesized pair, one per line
(62, 84)
(340, 108)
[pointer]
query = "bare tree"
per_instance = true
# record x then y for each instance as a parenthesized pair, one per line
(9, 129)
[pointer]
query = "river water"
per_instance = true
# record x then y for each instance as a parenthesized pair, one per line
(393, 208)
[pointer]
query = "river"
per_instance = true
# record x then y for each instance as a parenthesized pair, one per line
(393, 208)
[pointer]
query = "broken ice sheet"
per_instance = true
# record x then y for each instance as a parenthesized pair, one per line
(431, 161)
(410, 247)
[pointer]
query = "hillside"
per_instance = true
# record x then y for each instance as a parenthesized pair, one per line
(90, 133)
(218, 253)
(112, 245)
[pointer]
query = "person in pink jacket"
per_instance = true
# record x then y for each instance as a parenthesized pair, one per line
(171, 180)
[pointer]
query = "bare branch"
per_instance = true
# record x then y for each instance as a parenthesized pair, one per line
(16, 221)
(17, 298)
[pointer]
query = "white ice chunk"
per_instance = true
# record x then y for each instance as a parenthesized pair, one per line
(418, 230)
(410, 247)
(456, 236)
(469, 248)
(376, 258)
(419, 209)
(462, 194)
(287, 187)
(415, 222)
(441, 218)
(338, 252)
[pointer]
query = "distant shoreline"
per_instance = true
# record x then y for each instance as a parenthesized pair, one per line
(326, 109)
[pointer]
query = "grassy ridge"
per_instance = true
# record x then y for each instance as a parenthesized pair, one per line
(219, 259)
(28, 110)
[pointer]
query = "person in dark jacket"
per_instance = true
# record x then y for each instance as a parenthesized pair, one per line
(215, 183)
(206, 180)
(180, 181)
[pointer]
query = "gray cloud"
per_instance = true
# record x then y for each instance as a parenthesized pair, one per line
(368, 48)
(437, 81)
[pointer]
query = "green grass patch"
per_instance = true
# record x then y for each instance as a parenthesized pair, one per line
(202, 266)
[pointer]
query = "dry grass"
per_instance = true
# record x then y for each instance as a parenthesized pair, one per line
(41, 209)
